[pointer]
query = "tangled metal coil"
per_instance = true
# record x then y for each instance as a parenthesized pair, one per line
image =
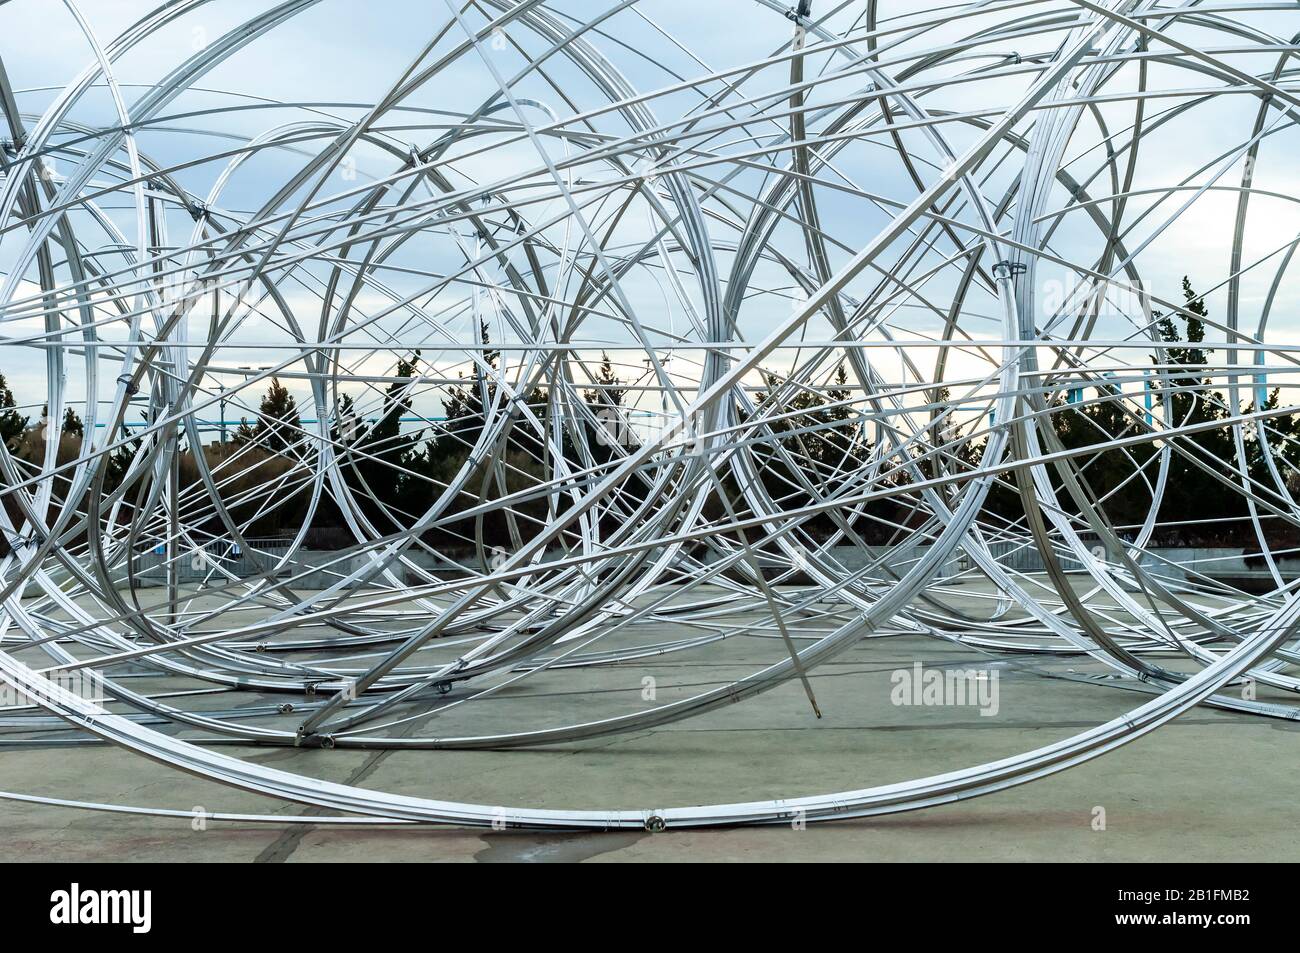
(731, 292)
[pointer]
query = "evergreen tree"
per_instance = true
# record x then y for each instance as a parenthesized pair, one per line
(820, 431)
(1121, 477)
(279, 426)
(119, 461)
(606, 401)
(466, 406)
(72, 425)
(823, 439)
(1193, 493)
(608, 391)
(382, 450)
(12, 423)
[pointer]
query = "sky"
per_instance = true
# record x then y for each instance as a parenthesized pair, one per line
(321, 69)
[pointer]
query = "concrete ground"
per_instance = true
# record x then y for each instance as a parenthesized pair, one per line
(1210, 786)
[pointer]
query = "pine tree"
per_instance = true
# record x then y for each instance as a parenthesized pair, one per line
(119, 461)
(382, 450)
(466, 406)
(72, 425)
(12, 423)
(1191, 492)
(608, 391)
(606, 402)
(821, 436)
(279, 428)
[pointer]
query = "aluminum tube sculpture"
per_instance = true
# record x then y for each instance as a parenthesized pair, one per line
(576, 334)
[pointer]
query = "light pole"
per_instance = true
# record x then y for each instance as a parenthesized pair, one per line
(221, 408)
